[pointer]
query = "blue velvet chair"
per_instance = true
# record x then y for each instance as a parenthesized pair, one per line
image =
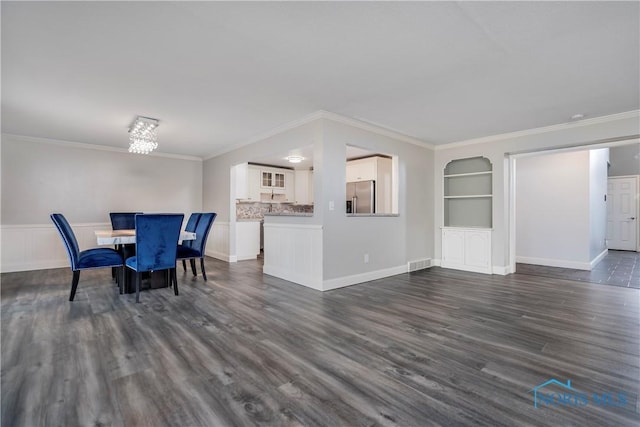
(191, 226)
(85, 260)
(123, 221)
(195, 248)
(156, 246)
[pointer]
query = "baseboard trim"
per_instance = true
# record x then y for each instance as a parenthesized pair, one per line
(599, 258)
(341, 282)
(300, 279)
(436, 262)
(246, 257)
(501, 270)
(554, 263)
(30, 266)
(221, 256)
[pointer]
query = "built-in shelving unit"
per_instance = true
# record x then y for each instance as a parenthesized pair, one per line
(468, 193)
(468, 214)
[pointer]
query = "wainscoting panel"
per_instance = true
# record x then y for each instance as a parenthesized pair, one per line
(294, 252)
(218, 241)
(39, 246)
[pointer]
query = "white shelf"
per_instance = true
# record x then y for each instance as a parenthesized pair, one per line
(468, 174)
(477, 196)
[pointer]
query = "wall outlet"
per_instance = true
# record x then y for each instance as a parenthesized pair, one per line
(332, 206)
(366, 258)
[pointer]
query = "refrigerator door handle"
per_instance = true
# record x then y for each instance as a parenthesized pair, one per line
(354, 205)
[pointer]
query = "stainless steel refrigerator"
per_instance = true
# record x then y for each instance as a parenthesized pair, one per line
(361, 197)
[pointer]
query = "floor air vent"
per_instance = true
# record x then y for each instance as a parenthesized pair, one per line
(419, 264)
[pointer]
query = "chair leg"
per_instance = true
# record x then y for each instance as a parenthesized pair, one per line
(74, 284)
(137, 286)
(175, 281)
(121, 280)
(184, 266)
(168, 278)
(204, 274)
(192, 261)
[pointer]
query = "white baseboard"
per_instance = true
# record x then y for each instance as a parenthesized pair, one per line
(599, 258)
(300, 279)
(554, 263)
(341, 282)
(219, 255)
(436, 262)
(501, 270)
(246, 257)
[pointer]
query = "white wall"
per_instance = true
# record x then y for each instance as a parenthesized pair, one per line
(85, 184)
(552, 209)
(598, 160)
(497, 150)
(390, 241)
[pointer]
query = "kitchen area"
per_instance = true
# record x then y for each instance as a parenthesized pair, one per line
(277, 186)
(283, 186)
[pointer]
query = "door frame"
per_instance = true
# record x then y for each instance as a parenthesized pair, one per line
(510, 184)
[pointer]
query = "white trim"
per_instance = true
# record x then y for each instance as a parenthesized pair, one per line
(296, 278)
(598, 258)
(219, 255)
(84, 145)
(322, 114)
(552, 262)
(464, 267)
(341, 282)
(502, 270)
(436, 262)
(544, 129)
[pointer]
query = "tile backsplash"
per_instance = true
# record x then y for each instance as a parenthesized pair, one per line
(245, 210)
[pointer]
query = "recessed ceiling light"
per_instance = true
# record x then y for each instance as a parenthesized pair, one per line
(577, 117)
(295, 159)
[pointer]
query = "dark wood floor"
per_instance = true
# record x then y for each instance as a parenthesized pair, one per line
(435, 347)
(617, 268)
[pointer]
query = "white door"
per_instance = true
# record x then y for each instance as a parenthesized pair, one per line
(622, 215)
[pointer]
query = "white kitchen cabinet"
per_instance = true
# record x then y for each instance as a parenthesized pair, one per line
(289, 186)
(362, 169)
(466, 249)
(247, 240)
(247, 182)
(303, 187)
(253, 184)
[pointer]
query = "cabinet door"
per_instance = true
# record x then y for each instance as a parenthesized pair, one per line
(289, 187)
(253, 184)
(477, 248)
(266, 179)
(301, 187)
(241, 172)
(361, 170)
(453, 247)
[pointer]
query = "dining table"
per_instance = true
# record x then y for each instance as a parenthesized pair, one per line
(127, 240)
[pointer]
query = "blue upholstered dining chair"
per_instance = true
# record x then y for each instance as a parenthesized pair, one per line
(123, 221)
(85, 260)
(192, 222)
(156, 246)
(195, 248)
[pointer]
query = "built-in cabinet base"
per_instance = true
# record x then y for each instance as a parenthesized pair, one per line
(467, 249)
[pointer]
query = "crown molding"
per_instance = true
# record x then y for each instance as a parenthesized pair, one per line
(86, 146)
(322, 114)
(545, 129)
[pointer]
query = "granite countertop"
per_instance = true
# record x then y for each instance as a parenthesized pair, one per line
(248, 219)
(289, 214)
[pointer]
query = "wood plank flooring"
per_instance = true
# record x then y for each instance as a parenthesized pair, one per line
(435, 347)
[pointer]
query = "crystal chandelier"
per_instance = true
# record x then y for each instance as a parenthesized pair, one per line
(143, 135)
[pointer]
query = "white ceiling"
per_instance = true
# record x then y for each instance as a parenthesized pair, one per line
(217, 74)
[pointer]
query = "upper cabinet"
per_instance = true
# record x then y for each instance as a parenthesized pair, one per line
(260, 183)
(468, 193)
(303, 187)
(362, 169)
